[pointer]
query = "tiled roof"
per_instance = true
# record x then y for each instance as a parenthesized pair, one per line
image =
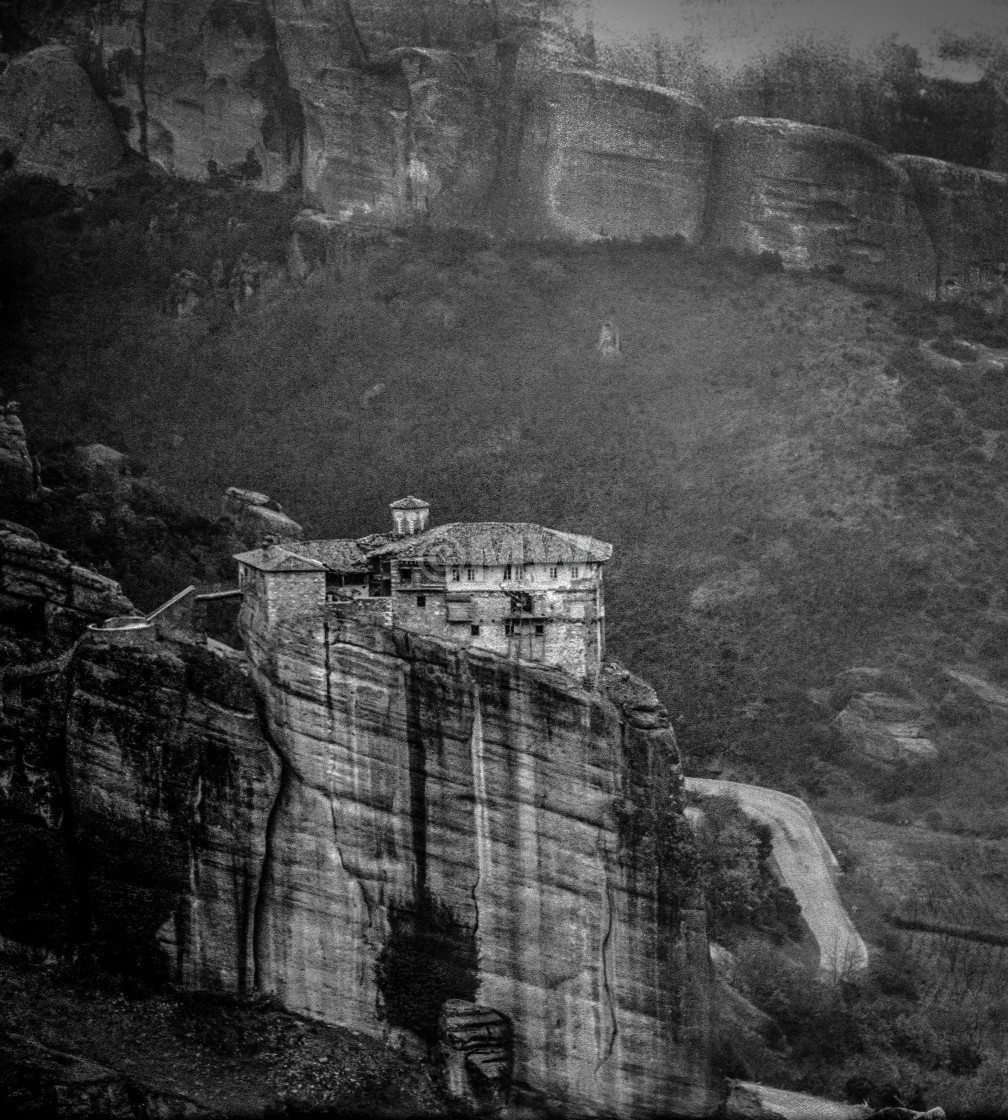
(338, 556)
(497, 542)
(409, 502)
(278, 559)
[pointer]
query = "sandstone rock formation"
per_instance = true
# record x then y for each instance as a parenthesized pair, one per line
(367, 824)
(55, 598)
(171, 785)
(475, 1052)
(965, 211)
(17, 475)
(605, 157)
(52, 122)
(887, 728)
(438, 805)
(256, 516)
(202, 88)
(819, 198)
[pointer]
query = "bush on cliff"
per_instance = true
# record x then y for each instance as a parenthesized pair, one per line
(428, 958)
(742, 892)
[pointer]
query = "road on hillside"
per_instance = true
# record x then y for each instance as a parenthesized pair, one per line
(807, 865)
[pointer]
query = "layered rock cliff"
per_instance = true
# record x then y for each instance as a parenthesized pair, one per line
(496, 116)
(366, 824)
(439, 805)
(818, 198)
(170, 785)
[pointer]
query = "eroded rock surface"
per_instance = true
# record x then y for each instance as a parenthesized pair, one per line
(17, 475)
(819, 198)
(201, 89)
(52, 122)
(171, 784)
(433, 797)
(605, 157)
(886, 727)
(256, 516)
(965, 211)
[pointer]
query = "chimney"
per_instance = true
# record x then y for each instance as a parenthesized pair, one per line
(409, 516)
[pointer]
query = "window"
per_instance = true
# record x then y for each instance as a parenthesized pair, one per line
(474, 629)
(470, 575)
(576, 572)
(406, 575)
(456, 574)
(421, 600)
(508, 628)
(553, 572)
(507, 571)
(538, 628)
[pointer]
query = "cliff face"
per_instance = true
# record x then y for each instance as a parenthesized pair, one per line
(496, 116)
(819, 198)
(452, 825)
(170, 785)
(966, 214)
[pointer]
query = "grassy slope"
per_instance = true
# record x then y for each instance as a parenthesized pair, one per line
(790, 488)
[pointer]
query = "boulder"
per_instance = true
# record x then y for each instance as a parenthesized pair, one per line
(965, 211)
(256, 516)
(475, 1052)
(200, 88)
(886, 728)
(104, 469)
(455, 133)
(17, 473)
(820, 199)
(601, 156)
(52, 123)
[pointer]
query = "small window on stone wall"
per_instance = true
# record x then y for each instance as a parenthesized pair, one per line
(469, 574)
(456, 574)
(539, 628)
(507, 629)
(553, 572)
(421, 600)
(474, 629)
(507, 571)
(576, 572)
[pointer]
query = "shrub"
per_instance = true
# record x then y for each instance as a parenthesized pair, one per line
(429, 957)
(742, 892)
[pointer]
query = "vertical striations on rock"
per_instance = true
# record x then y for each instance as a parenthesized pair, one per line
(966, 214)
(52, 122)
(171, 783)
(605, 157)
(200, 88)
(819, 198)
(441, 805)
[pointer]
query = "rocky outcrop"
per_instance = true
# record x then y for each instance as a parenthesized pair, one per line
(52, 122)
(170, 784)
(200, 88)
(255, 516)
(965, 211)
(605, 157)
(819, 198)
(53, 598)
(455, 826)
(880, 715)
(887, 728)
(475, 1053)
(17, 474)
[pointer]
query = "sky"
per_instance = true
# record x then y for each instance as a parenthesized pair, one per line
(734, 31)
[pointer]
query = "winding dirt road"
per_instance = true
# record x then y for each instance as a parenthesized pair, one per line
(807, 865)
